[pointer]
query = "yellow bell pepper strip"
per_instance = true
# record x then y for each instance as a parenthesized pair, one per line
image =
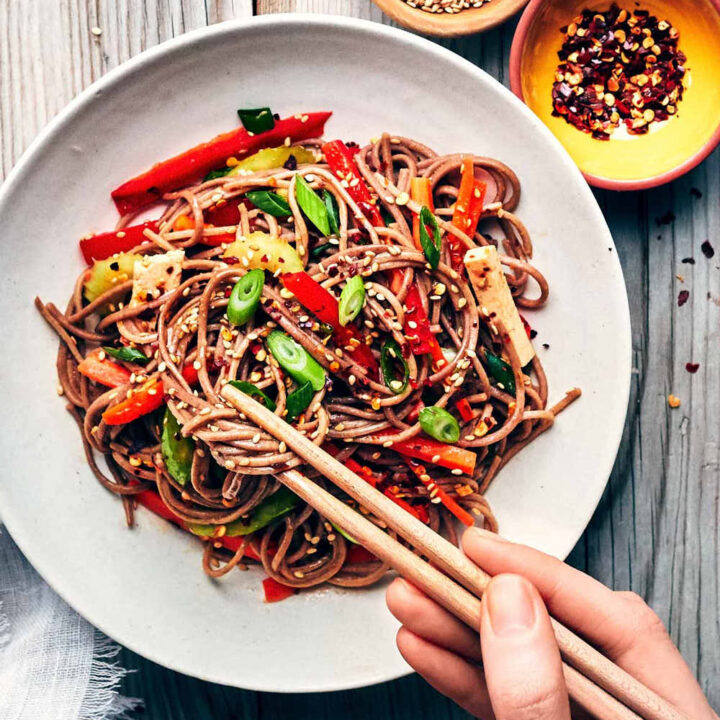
(264, 252)
(195, 163)
(105, 274)
(271, 158)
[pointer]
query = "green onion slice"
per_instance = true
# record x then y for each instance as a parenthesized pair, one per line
(254, 392)
(352, 299)
(430, 245)
(245, 297)
(269, 202)
(127, 354)
(256, 120)
(332, 210)
(311, 204)
(391, 357)
(501, 371)
(298, 400)
(318, 250)
(295, 360)
(439, 424)
(177, 451)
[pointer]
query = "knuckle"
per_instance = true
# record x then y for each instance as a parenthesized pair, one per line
(644, 619)
(530, 702)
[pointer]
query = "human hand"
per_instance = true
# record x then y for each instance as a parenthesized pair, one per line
(521, 675)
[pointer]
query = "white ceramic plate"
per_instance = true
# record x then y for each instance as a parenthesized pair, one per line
(145, 587)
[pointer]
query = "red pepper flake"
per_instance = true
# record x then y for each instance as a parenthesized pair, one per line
(688, 261)
(683, 296)
(692, 367)
(695, 192)
(618, 67)
(707, 249)
(666, 219)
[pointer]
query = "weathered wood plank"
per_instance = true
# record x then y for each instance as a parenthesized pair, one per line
(656, 530)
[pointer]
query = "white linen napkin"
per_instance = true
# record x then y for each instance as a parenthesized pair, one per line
(53, 664)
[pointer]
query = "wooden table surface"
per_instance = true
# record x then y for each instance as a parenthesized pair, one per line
(656, 530)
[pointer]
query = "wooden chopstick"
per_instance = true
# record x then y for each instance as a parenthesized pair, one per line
(590, 666)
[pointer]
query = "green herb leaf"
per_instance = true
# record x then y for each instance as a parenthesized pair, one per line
(254, 392)
(177, 451)
(332, 210)
(257, 120)
(438, 423)
(245, 297)
(390, 357)
(500, 371)
(349, 538)
(352, 299)
(280, 503)
(269, 202)
(318, 250)
(298, 400)
(311, 204)
(216, 174)
(127, 354)
(430, 245)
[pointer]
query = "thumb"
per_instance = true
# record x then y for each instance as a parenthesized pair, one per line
(521, 659)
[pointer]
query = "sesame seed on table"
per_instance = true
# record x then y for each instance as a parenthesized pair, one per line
(656, 528)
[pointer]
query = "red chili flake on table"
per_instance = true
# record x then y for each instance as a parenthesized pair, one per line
(695, 192)
(688, 261)
(692, 367)
(683, 296)
(618, 67)
(666, 219)
(707, 249)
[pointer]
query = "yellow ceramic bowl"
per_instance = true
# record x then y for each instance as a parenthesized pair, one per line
(627, 162)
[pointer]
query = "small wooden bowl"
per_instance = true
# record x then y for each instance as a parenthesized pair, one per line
(465, 22)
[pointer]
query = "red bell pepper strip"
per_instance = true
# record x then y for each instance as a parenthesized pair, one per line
(275, 591)
(421, 338)
(193, 164)
(104, 245)
(468, 208)
(465, 409)
(436, 453)
(144, 400)
(357, 554)
(322, 303)
(436, 491)
(152, 501)
(342, 164)
(97, 367)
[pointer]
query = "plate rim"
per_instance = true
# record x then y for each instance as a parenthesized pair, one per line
(338, 23)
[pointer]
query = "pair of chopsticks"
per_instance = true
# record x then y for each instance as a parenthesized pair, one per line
(594, 682)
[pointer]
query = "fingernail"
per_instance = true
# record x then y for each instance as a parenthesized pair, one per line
(485, 534)
(510, 605)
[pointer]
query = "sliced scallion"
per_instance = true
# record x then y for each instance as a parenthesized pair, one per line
(295, 360)
(269, 202)
(352, 300)
(312, 205)
(438, 423)
(332, 210)
(298, 401)
(245, 297)
(127, 354)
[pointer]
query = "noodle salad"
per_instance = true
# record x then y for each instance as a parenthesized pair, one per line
(371, 296)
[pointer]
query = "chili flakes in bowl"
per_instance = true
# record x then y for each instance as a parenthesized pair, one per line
(616, 68)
